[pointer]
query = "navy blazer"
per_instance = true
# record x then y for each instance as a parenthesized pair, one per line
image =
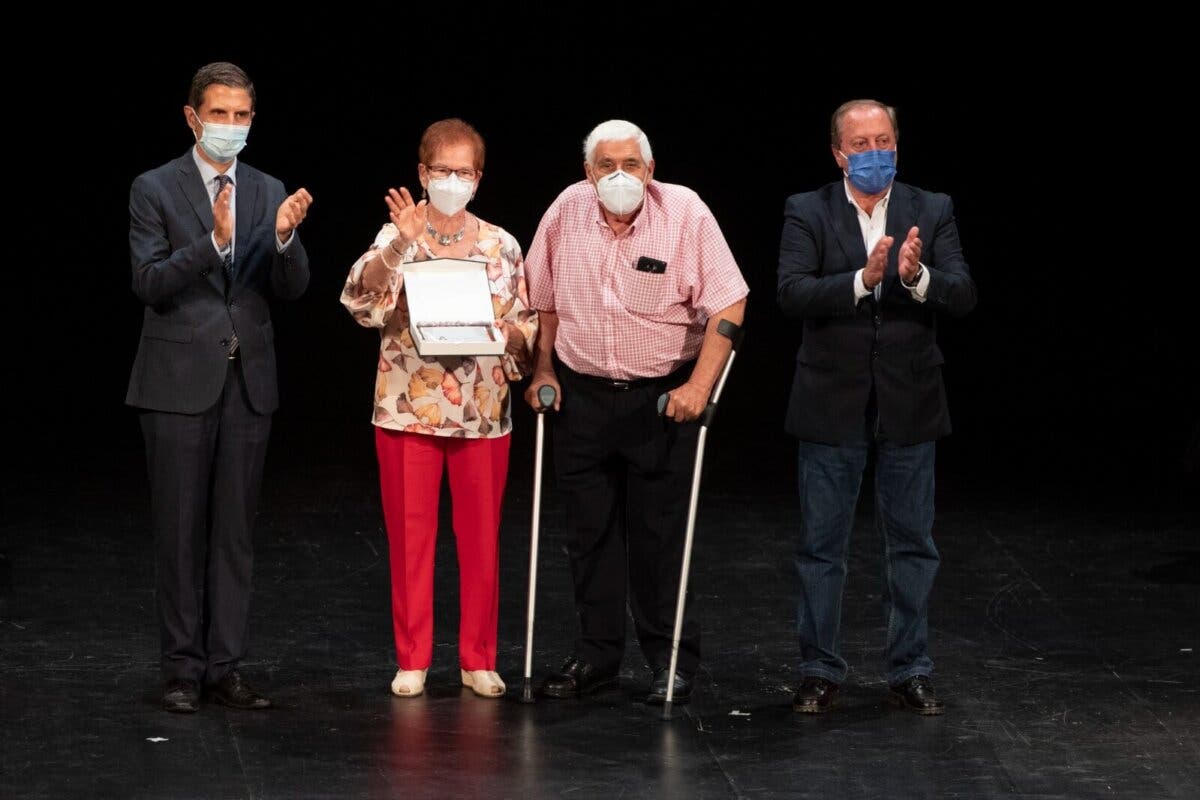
(891, 344)
(191, 307)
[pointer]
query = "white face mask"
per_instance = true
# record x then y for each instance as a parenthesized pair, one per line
(222, 142)
(450, 194)
(620, 192)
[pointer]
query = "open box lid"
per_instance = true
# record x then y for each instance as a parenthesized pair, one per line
(448, 291)
(450, 308)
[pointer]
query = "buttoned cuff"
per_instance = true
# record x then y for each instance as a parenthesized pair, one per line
(860, 288)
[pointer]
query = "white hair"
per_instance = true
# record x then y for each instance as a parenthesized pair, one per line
(616, 130)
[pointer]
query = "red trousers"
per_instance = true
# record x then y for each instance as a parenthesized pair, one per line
(410, 477)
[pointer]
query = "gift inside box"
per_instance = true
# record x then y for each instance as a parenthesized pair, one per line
(450, 308)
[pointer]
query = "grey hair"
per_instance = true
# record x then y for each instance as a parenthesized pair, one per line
(835, 123)
(616, 130)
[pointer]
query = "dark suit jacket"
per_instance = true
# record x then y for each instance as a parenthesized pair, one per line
(191, 307)
(847, 347)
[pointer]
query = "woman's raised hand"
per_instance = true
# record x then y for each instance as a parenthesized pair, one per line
(407, 216)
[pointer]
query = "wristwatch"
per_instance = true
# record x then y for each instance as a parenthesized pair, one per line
(916, 278)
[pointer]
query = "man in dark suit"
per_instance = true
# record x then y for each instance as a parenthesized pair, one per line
(209, 237)
(867, 265)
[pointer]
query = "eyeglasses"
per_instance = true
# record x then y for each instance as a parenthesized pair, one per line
(442, 171)
(630, 165)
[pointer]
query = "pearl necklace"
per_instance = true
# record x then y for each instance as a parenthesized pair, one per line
(445, 239)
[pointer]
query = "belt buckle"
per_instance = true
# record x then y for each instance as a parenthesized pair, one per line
(620, 385)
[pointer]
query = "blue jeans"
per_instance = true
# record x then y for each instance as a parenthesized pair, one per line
(830, 478)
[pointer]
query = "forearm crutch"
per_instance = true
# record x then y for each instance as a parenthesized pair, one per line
(733, 333)
(546, 396)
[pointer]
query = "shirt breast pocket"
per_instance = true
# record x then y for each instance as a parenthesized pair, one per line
(645, 287)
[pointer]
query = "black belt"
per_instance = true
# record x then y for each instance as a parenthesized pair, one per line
(628, 383)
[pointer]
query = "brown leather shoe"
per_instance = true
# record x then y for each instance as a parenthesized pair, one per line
(232, 691)
(815, 695)
(577, 677)
(181, 697)
(917, 695)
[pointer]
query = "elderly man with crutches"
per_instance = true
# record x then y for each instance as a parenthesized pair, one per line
(632, 278)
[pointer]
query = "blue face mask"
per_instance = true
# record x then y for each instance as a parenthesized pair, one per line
(871, 170)
(222, 143)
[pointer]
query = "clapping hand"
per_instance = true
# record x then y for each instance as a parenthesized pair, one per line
(291, 213)
(877, 262)
(222, 217)
(909, 260)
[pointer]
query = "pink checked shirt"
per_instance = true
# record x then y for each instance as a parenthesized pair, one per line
(614, 320)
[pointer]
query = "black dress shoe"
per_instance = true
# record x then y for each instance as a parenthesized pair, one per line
(232, 691)
(181, 697)
(917, 695)
(815, 695)
(658, 688)
(577, 677)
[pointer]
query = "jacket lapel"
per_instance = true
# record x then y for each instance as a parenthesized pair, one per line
(192, 187)
(247, 202)
(901, 216)
(845, 223)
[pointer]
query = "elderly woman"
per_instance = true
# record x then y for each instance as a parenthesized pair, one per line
(451, 410)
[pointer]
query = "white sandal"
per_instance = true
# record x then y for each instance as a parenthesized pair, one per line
(409, 682)
(484, 682)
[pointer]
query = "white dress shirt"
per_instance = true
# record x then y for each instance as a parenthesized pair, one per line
(208, 174)
(873, 226)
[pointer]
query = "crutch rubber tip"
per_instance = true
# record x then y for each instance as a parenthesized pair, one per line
(666, 710)
(527, 692)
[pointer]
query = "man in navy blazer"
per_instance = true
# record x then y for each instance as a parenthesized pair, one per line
(210, 238)
(867, 265)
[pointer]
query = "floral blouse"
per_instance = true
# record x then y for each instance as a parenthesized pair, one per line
(464, 396)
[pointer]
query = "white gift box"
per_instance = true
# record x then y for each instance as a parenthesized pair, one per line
(450, 308)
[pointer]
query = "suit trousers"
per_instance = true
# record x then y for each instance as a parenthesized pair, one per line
(625, 476)
(205, 473)
(410, 479)
(830, 479)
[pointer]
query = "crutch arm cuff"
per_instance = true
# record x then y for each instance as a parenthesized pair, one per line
(731, 331)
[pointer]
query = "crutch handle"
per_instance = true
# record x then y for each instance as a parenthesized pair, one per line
(733, 332)
(546, 397)
(706, 416)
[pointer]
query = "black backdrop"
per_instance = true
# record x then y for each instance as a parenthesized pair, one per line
(1071, 375)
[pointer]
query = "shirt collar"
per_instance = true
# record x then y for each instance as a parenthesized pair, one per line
(646, 208)
(883, 201)
(208, 171)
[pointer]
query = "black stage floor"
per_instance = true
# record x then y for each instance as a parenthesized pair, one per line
(1065, 620)
(1064, 630)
